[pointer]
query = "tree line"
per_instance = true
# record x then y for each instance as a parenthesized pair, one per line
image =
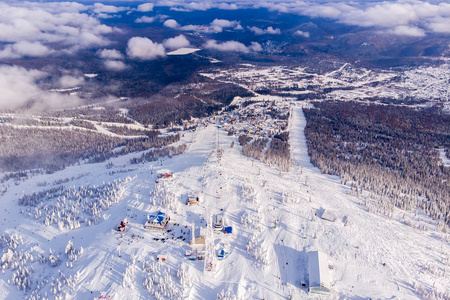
(54, 149)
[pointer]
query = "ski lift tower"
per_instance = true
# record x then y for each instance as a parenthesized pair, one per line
(210, 259)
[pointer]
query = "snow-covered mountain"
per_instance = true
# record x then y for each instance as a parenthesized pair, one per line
(60, 240)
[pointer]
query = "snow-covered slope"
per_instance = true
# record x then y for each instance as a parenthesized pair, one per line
(275, 221)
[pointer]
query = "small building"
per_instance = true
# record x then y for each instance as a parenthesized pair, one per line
(345, 220)
(200, 239)
(319, 276)
(193, 200)
(122, 226)
(329, 216)
(218, 223)
(228, 230)
(224, 252)
(157, 221)
(197, 245)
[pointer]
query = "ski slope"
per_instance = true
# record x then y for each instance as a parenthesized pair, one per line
(275, 223)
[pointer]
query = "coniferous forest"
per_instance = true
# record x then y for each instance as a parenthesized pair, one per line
(388, 152)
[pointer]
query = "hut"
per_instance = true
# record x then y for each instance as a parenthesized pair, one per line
(218, 223)
(329, 216)
(200, 239)
(192, 200)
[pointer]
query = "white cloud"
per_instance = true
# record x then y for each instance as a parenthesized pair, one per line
(115, 65)
(323, 11)
(255, 47)
(224, 23)
(218, 24)
(418, 16)
(18, 87)
(408, 31)
(171, 23)
(439, 24)
(50, 23)
(414, 14)
(232, 46)
(227, 6)
(101, 8)
(176, 42)
(215, 26)
(68, 81)
(180, 5)
(145, 19)
(304, 34)
(271, 30)
(144, 49)
(24, 49)
(146, 7)
(110, 54)
(198, 5)
(197, 28)
(268, 30)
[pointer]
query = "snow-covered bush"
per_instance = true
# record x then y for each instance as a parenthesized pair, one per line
(249, 193)
(257, 250)
(71, 207)
(427, 294)
(54, 259)
(71, 252)
(11, 241)
(62, 286)
(227, 296)
(162, 196)
(158, 281)
(183, 275)
(288, 197)
(22, 278)
(128, 277)
(252, 221)
(13, 259)
(3, 189)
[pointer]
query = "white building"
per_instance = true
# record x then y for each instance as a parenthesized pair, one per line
(319, 275)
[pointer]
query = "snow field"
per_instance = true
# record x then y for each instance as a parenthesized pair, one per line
(273, 215)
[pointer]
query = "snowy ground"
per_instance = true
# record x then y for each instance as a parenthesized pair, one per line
(445, 160)
(348, 82)
(274, 222)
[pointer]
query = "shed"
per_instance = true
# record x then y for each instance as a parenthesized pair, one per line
(218, 223)
(329, 216)
(192, 200)
(200, 239)
(319, 276)
(345, 220)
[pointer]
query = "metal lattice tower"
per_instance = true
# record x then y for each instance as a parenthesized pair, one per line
(210, 258)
